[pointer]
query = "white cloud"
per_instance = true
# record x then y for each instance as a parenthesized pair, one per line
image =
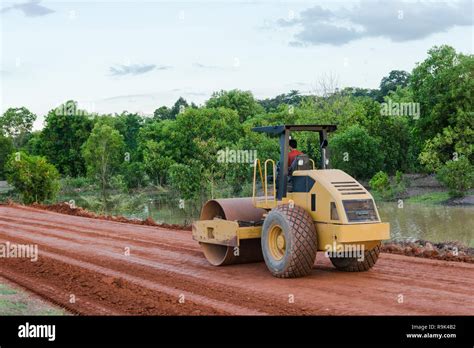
(29, 9)
(396, 20)
(135, 69)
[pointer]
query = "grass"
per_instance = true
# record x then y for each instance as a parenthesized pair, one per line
(4, 290)
(18, 302)
(430, 198)
(8, 307)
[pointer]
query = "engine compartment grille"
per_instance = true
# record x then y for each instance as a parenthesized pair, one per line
(349, 187)
(360, 210)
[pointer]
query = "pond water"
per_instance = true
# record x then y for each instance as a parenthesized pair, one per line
(436, 223)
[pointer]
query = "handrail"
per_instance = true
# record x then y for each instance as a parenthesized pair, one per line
(274, 180)
(256, 164)
(264, 179)
(314, 165)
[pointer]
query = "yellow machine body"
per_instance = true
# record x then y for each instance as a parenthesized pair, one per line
(341, 211)
(223, 232)
(324, 190)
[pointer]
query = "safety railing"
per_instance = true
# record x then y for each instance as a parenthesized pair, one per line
(264, 179)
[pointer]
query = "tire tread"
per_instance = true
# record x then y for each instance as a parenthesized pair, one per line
(304, 251)
(370, 258)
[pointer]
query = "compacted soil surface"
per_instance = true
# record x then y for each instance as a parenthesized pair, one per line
(94, 266)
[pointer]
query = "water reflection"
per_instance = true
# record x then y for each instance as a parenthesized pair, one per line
(436, 223)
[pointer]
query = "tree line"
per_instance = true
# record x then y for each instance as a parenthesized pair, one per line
(378, 131)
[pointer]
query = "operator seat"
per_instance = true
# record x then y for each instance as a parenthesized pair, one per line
(301, 162)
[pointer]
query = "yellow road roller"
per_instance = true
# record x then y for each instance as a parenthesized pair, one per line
(295, 211)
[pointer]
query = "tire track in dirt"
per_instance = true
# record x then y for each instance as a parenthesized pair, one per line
(127, 230)
(111, 235)
(95, 293)
(85, 237)
(207, 273)
(226, 293)
(172, 292)
(168, 262)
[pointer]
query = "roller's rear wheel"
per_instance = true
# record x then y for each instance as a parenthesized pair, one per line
(289, 242)
(352, 264)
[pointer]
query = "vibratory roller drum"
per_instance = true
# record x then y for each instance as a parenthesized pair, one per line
(230, 220)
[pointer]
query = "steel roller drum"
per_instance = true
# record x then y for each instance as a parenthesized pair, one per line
(233, 209)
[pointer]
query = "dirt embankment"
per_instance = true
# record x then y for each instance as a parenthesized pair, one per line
(118, 268)
(65, 208)
(447, 251)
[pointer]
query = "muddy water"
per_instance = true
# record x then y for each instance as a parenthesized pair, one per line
(435, 223)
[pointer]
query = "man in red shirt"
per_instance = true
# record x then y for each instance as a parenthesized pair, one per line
(293, 152)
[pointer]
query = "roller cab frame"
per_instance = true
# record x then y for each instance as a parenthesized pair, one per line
(337, 213)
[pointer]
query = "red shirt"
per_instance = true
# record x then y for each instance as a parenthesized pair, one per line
(292, 155)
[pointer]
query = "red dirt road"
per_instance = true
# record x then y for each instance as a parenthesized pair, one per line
(165, 273)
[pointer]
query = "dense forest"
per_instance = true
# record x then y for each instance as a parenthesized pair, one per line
(418, 121)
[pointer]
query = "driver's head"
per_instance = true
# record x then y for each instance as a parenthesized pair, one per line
(293, 144)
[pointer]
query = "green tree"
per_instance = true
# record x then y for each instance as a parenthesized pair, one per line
(158, 149)
(186, 179)
(6, 148)
(356, 152)
(394, 135)
(66, 129)
(380, 183)
(443, 85)
(34, 178)
(156, 161)
(33, 143)
(395, 79)
(457, 175)
(361, 92)
(272, 104)
(103, 154)
(195, 136)
(179, 106)
(129, 125)
(17, 123)
(241, 101)
(162, 113)
(203, 125)
(450, 143)
(400, 132)
(257, 145)
(134, 174)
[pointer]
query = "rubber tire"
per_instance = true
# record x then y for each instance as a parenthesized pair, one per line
(350, 264)
(301, 242)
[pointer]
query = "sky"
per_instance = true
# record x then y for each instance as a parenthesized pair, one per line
(113, 56)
